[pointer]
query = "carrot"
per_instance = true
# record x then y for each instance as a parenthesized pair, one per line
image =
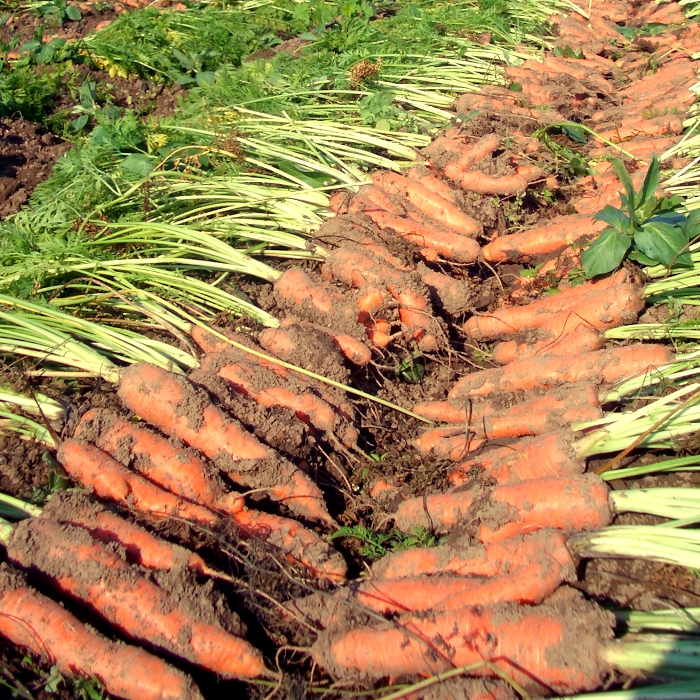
(560, 232)
(448, 443)
(513, 319)
(529, 583)
(656, 126)
(505, 185)
(269, 389)
(486, 560)
(538, 647)
(298, 544)
(112, 481)
(142, 548)
(446, 293)
(530, 458)
(415, 313)
(373, 197)
(48, 631)
(472, 688)
(77, 565)
(179, 471)
(180, 410)
(466, 158)
(570, 342)
(448, 244)
(359, 270)
(432, 205)
(604, 366)
(475, 413)
(569, 503)
(431, 182)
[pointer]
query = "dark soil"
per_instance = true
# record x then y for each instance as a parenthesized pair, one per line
(27, 154)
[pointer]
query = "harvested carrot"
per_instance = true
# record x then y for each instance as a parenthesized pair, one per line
(448, 244)
(569, 503)
(48, 631)
(77, 565)
(570, 342)
(603, 367)
(142, 548)
(415, 313)
(504, 185)
(512, 319)
(298, 544)
(179, 471)
(531, 458)
(432, 205)
(539, 647)
(472, 688)
(269, 389)
(112, 481)
(542, 240)
(492, 559)
(431, 182)
(529, 583)
(181, 410)
(453, 443)
(446, 292)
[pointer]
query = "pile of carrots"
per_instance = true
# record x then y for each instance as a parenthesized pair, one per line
(191, 447)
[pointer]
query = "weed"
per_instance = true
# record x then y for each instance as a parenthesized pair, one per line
(378, 544)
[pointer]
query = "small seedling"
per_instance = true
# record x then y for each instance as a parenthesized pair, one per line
(646, 228)
(410, 370)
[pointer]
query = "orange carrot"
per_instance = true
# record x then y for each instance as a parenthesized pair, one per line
(573, 342)
(542, 240)
(512, 319)
(431, 182)
(446, 292)
(448, 443)
(269, 389)
(448, 244)
(530, 458)
(77, 565)
(181, 410)
(604, 367)
(142, 548)
(486, 560)
(505, 185)
(569, 503)
(112, 481)
(47, 630)
(430, 204)
(415, 313)
(531, 645)
(179, 471)
(298, 544)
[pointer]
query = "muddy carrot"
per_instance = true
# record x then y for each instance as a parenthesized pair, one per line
(448, 244)
(542, 240)
(415, 313)
(603, 367)
(48, 631)
(574, 342)
(179, 471)
(142, 548)
(530, 458)
(492, 559)
(446, 292)
(453, 443)
(513, 319)
(569, 503)
(433, 183)
(504, 185)
(432, 205)
(181, 410)
(112, 481)
(298, 544)
(538, 647)
(77, 565)
(464, 158)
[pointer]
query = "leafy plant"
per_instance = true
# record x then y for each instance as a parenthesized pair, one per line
(59, 11)
(410, 370)
(378, 544)
(647, 229)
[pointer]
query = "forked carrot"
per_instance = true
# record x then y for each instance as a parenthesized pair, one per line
(572, 504)
(48, 631)
(77, 565)
(112, 481)
(179, 471)
(603, 367)
(532, 645)
(181, 410)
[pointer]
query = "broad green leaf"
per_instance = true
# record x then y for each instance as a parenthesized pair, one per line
(575, 133)
(73, 13)
(651, 183)
(628, 32)
(80, 122)
(515, 87)
(662, 242)
(640, 258)
(308, 36)
(627, 184)
(205, 77)
(88, 94)
(614, 217)
(3, 18)
(185, 60)
(605, 253)
(138, 164)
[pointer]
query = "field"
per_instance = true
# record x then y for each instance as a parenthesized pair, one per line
(349, 350)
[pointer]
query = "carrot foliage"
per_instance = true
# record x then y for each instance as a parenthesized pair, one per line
(646, 228)
(377, 544)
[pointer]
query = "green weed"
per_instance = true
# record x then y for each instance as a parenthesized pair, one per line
(377, 544)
